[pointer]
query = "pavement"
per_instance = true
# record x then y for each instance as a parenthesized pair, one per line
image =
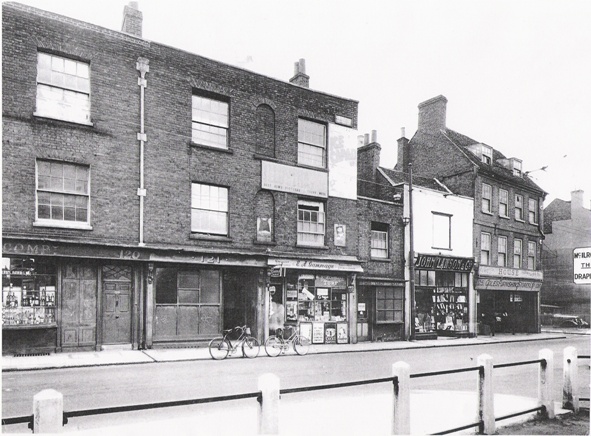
(447, 409)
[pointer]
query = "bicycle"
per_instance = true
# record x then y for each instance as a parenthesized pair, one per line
(220, 347)
(277, 344)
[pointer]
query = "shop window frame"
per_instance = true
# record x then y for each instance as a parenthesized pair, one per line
(396, 310)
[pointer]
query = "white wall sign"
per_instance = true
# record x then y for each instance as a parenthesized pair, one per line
(342, 162)
(582, 266)
(296, 180)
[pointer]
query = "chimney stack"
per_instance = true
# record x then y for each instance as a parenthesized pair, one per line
(403, 157)
(300, 78)
(132, 20)
(432, 114)
(368, 161)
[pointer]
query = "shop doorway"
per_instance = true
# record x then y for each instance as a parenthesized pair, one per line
(116, 301)
(79, 306)
(364, 314)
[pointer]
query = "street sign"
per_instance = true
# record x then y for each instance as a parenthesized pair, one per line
(582, 266)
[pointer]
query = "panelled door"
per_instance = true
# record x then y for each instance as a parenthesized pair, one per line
(79, 306)
(116, 304)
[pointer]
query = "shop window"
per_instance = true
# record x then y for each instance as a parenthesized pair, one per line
(486, 198)
(63, 194)
(379, 240)
(265, 132)
(502, 251)
(451, 302)
(533, 211)
(531, 255)
(63, 88)
(209, 209)
(504, 203)
(29, 293)
(210, 120)
(441, 231)
(320, 298)
(485, 248)
(517, 246)
(311, 223)
(424, 278)
(389, 304)
(519, 207)
(311, 143)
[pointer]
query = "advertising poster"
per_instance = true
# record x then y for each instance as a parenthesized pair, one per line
(330, 333)
(342, 333)
(306, 330)
(317, 333)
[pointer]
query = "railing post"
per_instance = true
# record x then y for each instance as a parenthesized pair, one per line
(570, 389)
(401, 409)
(269, 404)
(546, 382)
(48, 411)
(486, 396)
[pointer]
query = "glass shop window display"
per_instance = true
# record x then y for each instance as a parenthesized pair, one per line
(311, 297)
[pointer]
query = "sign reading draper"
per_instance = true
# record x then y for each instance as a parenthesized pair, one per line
(582, 266)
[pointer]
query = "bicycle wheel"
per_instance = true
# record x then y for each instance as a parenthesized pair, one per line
(301, 345)
(219, 348)
(250, 347)
(273, 346)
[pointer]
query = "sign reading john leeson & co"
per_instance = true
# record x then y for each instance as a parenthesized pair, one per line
(444, 263)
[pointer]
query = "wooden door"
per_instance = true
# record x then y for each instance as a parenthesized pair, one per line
(116, 299)
(79, 306)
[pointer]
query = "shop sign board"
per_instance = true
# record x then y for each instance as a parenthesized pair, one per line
(295, 180)
(497, 271)
(501, 284)
(444, 263)
(582, 266)
(324, 265)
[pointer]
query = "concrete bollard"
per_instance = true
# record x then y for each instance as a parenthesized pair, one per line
(486, 396)
(570, 389)
(546, 382)
(401, 409)
(48, 411)
(269, 404)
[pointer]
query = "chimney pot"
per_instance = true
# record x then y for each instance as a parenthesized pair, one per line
(300, 78)
(374, 136)
(366, 138)
(402, 132)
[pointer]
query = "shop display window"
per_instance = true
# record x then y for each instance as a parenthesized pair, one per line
(29, 294)
(310, 297)
(451, 301)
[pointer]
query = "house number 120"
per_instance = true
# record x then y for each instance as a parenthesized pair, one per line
(129, 254)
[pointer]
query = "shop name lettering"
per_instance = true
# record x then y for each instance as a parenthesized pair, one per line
(312, 264)
(511, 284)
(434, 262)
(29, 248)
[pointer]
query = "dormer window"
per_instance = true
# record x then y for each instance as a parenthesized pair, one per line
(516, 166)
(486, 155)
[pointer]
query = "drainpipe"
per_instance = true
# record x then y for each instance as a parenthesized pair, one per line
(143, 67)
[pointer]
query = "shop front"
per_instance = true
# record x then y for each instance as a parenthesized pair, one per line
(508, 300)
(443, 297)
(380, 309)
(317, 297)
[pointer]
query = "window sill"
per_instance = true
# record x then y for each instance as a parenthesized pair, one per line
(320, 247)
(310, 167)
(205, 237)
(487, 213)
(259, 156)
(519, 220)
(380, 259)
(505, 217)
(209, 147)
(49, 117)
(441, 248)
(255, 242)
(63, 225)
(534, 224)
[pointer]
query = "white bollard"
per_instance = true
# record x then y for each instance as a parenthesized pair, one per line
(486, 395)
(570, 388)
(401, 410)
(269, 404)
(546, 382)
(48, 411)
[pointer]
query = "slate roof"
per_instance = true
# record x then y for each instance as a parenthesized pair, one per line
(402, 177)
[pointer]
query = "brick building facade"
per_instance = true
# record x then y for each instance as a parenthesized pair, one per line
(154, 197)
(507, 233)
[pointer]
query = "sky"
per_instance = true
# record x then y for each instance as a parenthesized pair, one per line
(516, 73)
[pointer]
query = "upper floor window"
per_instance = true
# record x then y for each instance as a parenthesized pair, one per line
(209, 209)
(504, 203)
(531, 255)
(63, 88)
(502, 251)
(486, 198)
(210, 121)
(441, 231)
(311, 223)
(517, 247)
(485, 248)
(379, 240)
(516, 166)
(311, 143)
(533, 211)
(519, 207)
(486, 154)
(63, 194)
